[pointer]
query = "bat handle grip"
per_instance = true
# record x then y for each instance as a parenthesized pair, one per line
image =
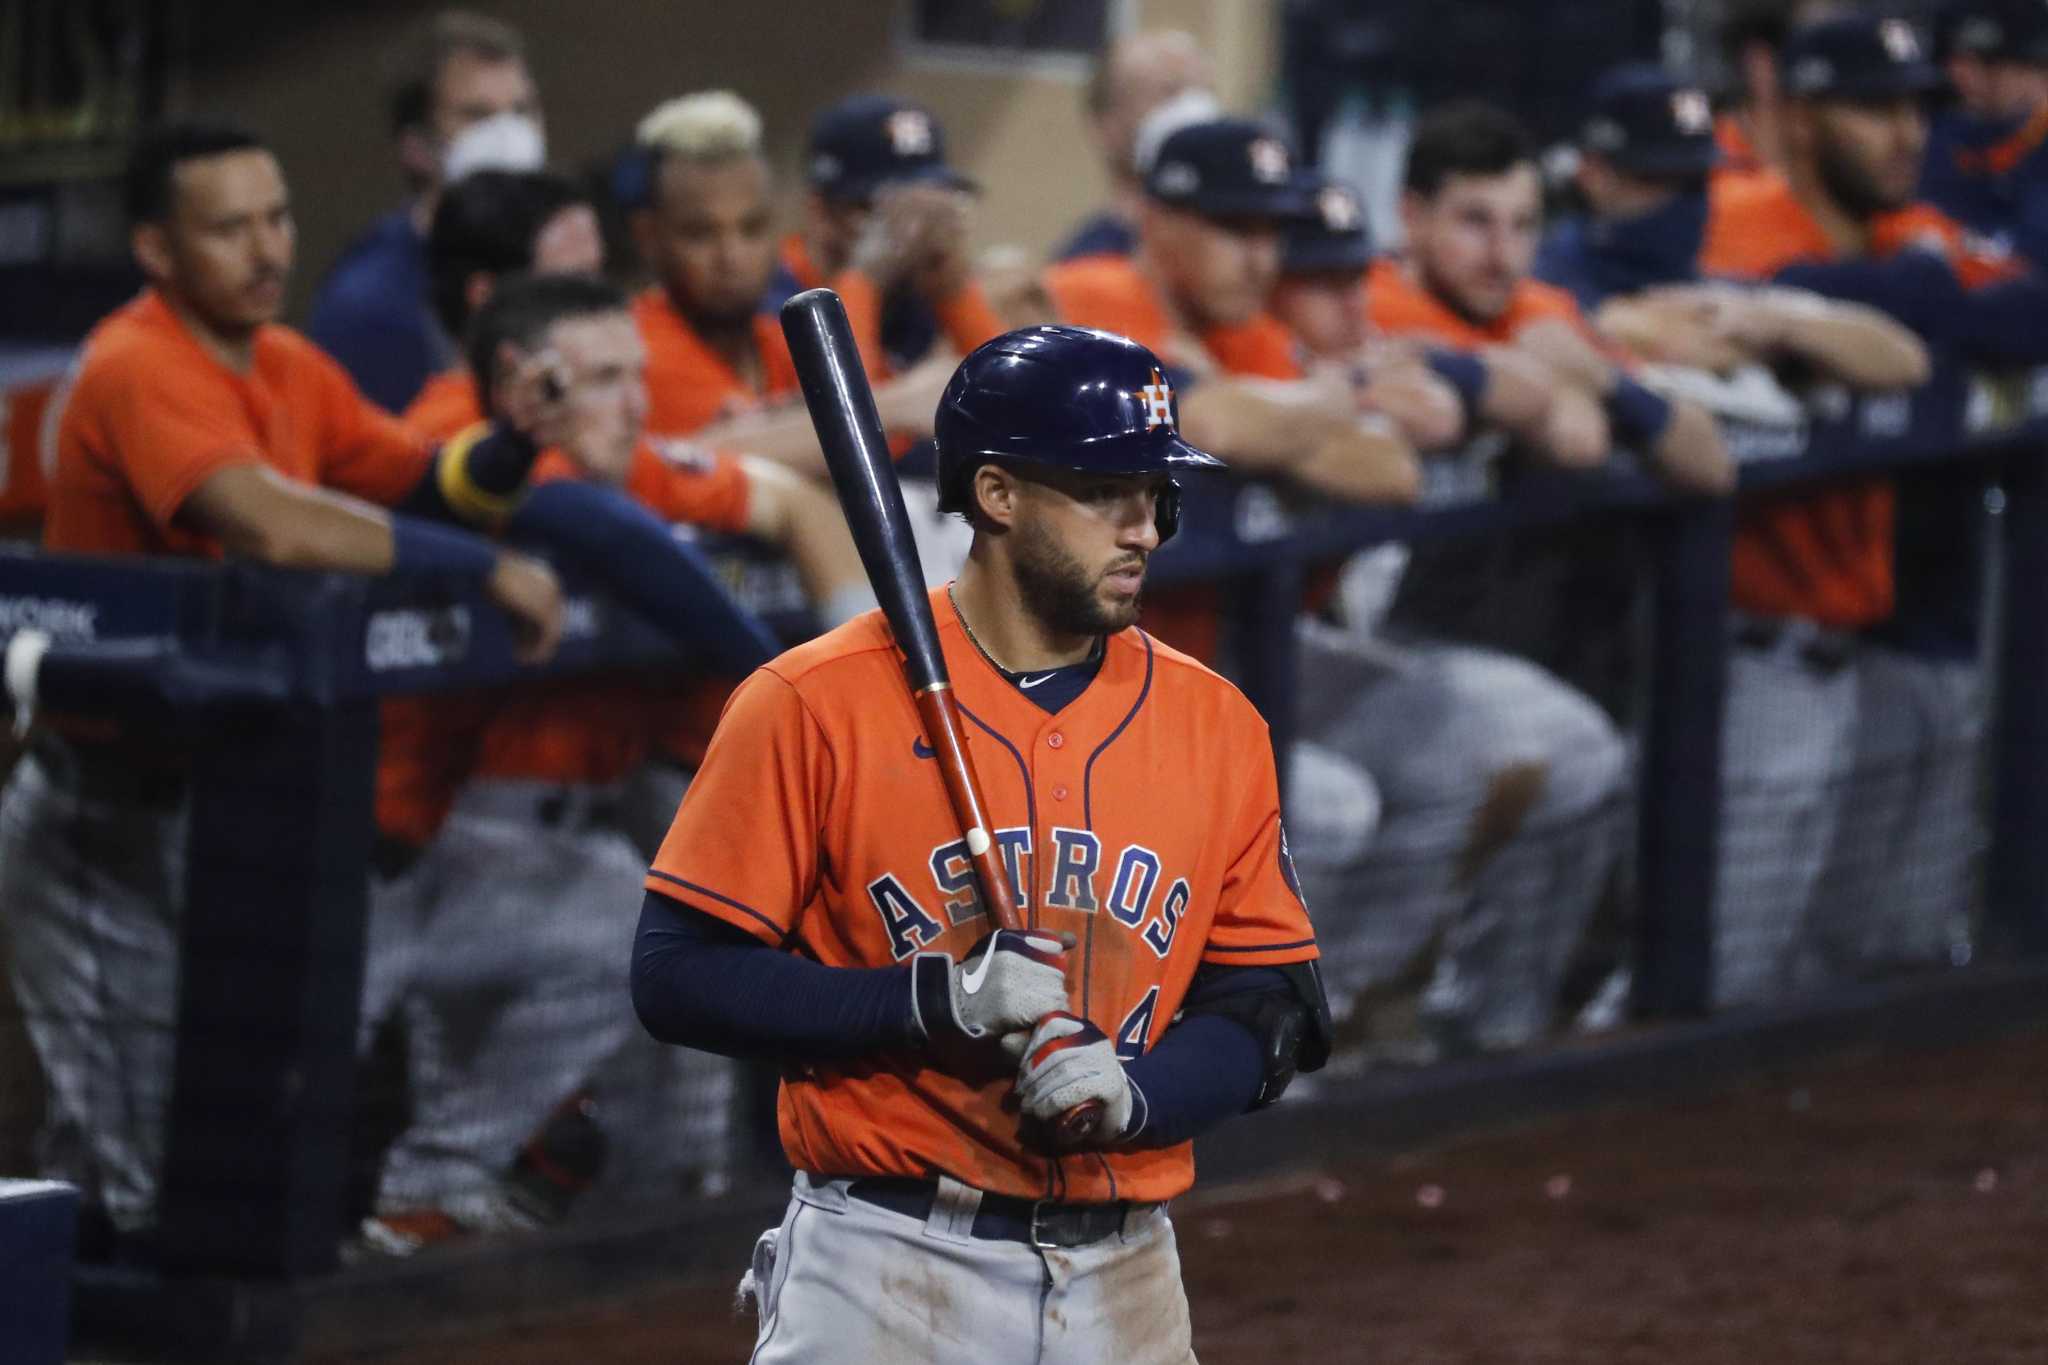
(1077, 1127)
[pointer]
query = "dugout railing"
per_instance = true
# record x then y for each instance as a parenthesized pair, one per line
(278, 675)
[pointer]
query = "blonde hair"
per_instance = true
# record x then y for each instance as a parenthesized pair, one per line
(707, 126)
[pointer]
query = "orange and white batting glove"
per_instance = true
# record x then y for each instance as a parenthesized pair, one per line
(1068, 1062)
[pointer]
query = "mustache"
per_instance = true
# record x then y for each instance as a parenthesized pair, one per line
(1134, 562)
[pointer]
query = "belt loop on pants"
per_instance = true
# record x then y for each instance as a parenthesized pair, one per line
(954, 1207)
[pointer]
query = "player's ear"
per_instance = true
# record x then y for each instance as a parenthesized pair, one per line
(417, 156)
(640, 222)
(995, 496)
(151, 245)
(504, 365)
(1413, 206)
(1799, 122)
(476, 290)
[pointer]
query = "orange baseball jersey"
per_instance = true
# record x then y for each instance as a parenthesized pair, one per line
(151, 416)
(596, 730)
(966, 318)
(675, 479)
(580, 730)
(1738, 154)
(27, 420)
(446, 403)
(1144, 818)
(689, 385)
(1825, 556)
(1111, 294)
(1397, 303)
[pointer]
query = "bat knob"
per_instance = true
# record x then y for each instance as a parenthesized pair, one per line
(1079, 1125)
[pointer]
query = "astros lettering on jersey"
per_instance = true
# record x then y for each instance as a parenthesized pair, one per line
(1143, 817)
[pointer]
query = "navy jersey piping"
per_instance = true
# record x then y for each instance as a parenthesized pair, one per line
(781, 934)
(1030, 803)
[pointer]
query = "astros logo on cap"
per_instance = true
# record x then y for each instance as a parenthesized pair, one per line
(1269, 159)
(910, 132)
(1338, 207)
(1691, 112)
(1158, 399)
(1899, 40)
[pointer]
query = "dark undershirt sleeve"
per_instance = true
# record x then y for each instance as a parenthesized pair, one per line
(699, 982)
(1204, 1069)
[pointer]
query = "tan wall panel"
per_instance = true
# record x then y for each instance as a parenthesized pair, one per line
(319, 96)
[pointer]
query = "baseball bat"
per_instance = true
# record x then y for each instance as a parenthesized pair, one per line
(842, 408)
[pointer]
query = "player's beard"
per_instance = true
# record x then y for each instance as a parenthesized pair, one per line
(1850, 184)
(1059, 590)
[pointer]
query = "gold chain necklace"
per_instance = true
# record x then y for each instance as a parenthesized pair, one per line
(982, 649)
(972, 638)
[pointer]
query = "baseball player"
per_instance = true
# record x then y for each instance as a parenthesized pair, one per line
(814, 904)
(196, 427)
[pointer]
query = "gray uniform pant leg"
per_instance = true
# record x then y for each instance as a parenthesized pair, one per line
(517, 997)
(1489, 918)
(91, 895)
(1786, 757)
(1898, 887)
(841, 1281)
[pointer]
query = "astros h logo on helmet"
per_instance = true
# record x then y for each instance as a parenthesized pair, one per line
(1157, 397)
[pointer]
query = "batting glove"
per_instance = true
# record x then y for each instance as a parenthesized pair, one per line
(1067, 1062)
(1007, 982)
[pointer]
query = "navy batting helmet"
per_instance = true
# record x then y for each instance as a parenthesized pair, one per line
(1066, 397)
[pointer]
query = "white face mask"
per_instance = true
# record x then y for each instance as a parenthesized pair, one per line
(503, 142)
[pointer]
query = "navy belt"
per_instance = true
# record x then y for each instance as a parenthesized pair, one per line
(1003, 1217)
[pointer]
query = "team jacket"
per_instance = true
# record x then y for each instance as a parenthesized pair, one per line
(1144, 818)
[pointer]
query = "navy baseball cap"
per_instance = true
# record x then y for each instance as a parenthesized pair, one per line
(1994, 30)
(861, 144)
(1229, 168)
(1335, 239)
(1649, 123)
(1857, 57)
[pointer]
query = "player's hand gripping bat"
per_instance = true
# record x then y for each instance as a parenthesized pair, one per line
(850, 432)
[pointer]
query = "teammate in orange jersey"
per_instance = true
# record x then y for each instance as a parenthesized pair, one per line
(1828, 869)
(1752, 33)
(718, 370)
(1320, 296)
(1219, 192)
(512, 912)
(496, 223)
(1497, 781)
(884, 204)
(1472, 208)
(197, 427)
(814, 904)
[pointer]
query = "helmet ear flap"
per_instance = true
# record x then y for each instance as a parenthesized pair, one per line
(1166, 511)
(956, 484)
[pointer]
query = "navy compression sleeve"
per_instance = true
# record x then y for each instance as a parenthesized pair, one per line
(701, 983)
(1993, 324)
(608, 535)
(474, 478)
(1204, 1069)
